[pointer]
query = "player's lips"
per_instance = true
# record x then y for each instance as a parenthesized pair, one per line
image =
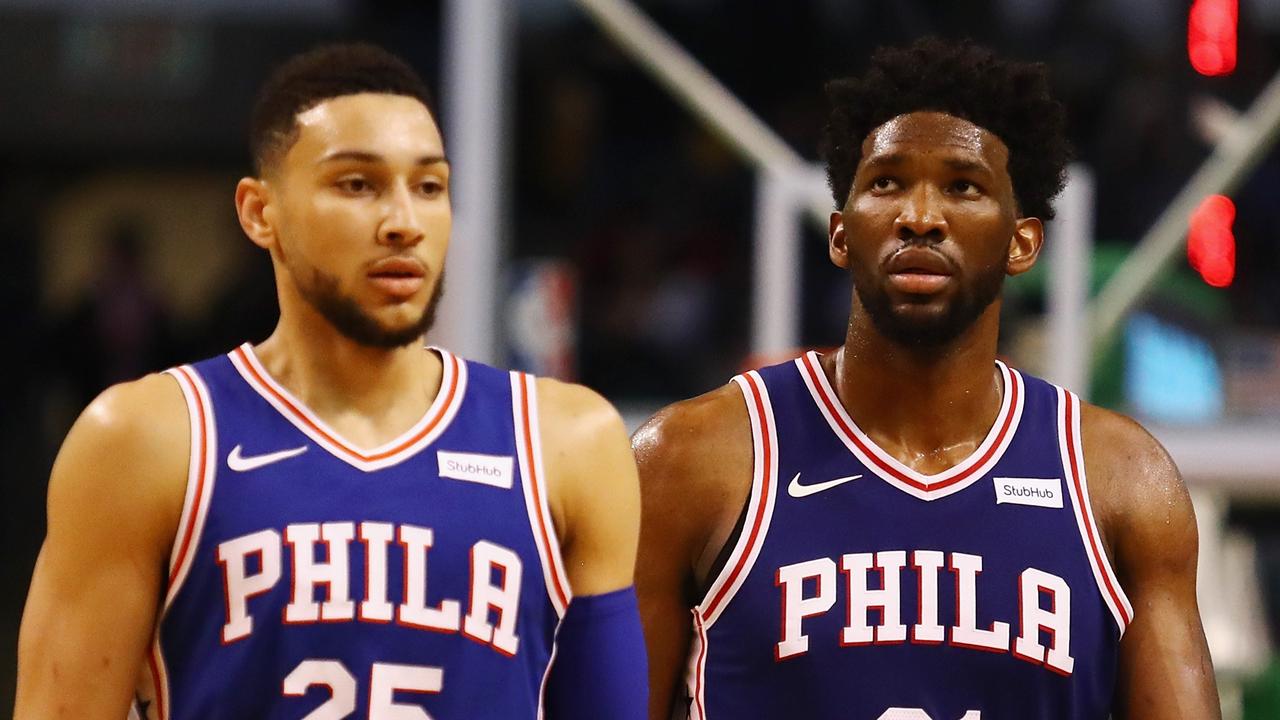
(918, 271)
(399, 277)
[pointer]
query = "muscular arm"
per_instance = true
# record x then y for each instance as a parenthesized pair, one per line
(593, 492)
(114, 499)
(695, 472)
(599, 670)
(1146, 517)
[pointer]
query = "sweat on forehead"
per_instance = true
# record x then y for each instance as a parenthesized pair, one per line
(931, 128)
(934, 132)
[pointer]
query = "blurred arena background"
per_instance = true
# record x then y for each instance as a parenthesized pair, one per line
(635, 195)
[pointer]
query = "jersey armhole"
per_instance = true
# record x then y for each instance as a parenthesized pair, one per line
(760, 502)
(524, 408)
(746, 539)
(201, 471)
(1072, 451)
(703, 590)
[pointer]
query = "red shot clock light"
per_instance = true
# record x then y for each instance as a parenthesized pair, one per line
(1211, 36)
(1211, 247)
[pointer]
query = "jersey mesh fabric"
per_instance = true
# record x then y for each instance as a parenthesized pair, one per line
(203, 675)
(737, 668)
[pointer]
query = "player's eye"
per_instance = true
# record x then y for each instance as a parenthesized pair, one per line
(433, 187)
(354, 185)
(883, 184)
(965, 188)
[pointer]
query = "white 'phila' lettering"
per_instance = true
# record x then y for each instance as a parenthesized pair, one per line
(874, 584)
(796, 607)
(1054, 620)
(501, 597)
(239, 584)
(965, 632)
(414, 611)
(927, 564)
(251, 566)
(888, 599)
(376, 537)
(307, 573)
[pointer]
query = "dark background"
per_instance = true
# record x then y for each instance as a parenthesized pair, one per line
(610, 174)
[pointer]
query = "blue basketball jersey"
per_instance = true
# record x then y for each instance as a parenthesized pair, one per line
(860, 589)
(313, 579)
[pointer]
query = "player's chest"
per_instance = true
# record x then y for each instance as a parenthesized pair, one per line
(839, 576)
(435, 543)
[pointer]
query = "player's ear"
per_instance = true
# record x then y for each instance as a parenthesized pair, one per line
(1024, 246)
(253, 207)
(836, 247)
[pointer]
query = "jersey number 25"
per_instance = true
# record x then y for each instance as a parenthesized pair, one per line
(385, 680)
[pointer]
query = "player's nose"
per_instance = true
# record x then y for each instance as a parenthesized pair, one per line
(401, 225)
(921, 215)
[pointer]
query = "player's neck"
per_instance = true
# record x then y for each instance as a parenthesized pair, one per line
(929, 407)
(389, 389)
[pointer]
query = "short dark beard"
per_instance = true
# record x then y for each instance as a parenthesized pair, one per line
(346, 315)
(936, 332)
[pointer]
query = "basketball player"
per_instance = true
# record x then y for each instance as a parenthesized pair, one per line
(906, 528)
(339, 522)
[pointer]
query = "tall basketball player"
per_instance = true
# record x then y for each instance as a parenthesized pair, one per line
(339, 522)
(906, 528)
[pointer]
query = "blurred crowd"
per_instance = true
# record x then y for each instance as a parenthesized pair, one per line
(655, 212)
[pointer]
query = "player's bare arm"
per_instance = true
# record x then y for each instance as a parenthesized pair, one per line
(695, 474)
(357, 439)
(1150, 529)
(593, 493)
(115, 495)
(594, 501)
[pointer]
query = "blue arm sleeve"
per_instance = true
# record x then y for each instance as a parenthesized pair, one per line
(600, 668)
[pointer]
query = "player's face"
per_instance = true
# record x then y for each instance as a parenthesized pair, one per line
(363, 216)
(931, 227)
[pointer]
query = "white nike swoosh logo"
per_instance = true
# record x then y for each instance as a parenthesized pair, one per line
(796, 490)
(240, 463)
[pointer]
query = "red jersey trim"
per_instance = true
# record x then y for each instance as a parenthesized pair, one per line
(760, 504)
(159, 678)
(200, 477)
(529, 453)
(201, 472)
(697, 681)
(423, 433)
(889, 468)
(1077, 484)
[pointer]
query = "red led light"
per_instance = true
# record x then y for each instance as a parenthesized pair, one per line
(1211, 246)
(1211, 36)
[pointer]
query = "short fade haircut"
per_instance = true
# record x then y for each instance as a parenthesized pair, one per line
(1007, 98)
(310, 78)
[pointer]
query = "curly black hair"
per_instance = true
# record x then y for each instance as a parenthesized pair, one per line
(1007, 98)
(310, 78)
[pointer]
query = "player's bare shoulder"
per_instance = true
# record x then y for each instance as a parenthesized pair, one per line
(695, 460)
(1136, 491)
(576, 411)
(592, 487)
(702, 440)
(129, 449)
(584, 441)
(115, 495)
